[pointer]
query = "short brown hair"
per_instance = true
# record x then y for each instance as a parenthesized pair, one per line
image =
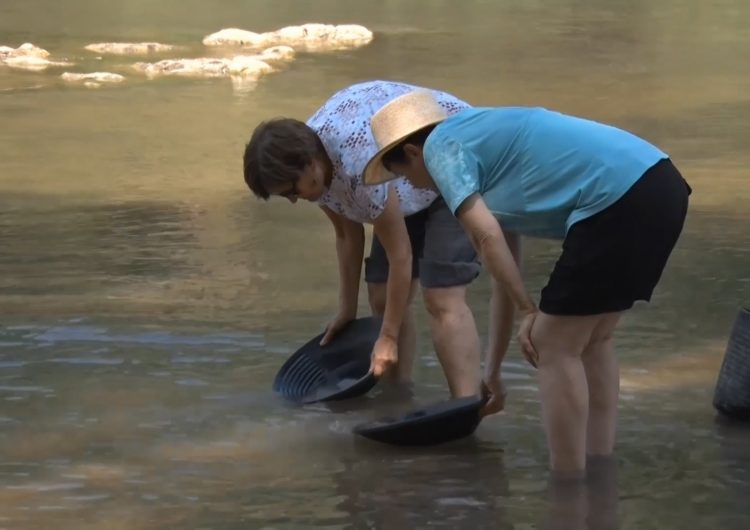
(278, 151)
(396, 154)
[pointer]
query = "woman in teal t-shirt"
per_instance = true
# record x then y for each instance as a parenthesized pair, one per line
(617, 203)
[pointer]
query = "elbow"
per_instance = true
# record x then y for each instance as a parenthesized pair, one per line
(484, 240)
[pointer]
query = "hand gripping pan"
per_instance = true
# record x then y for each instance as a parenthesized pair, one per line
(435, 424)
(339, 370)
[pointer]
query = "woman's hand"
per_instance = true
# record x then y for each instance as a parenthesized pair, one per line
(338, 323)
(493, 390)
(384, 355)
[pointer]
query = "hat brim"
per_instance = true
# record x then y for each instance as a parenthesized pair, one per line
(375, 172)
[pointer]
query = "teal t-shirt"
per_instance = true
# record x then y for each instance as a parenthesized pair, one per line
(537, 170)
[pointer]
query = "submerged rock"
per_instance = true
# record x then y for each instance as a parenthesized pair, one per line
(235, 37)
(24, 50)
(93, 78)
(130, 48)
(247, 66)
(28, 57)
(324, 36)
(277, 54)
(34, 64)
(316, 37)
(186, 67)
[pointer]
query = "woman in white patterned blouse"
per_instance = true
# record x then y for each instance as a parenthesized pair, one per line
(415, 235)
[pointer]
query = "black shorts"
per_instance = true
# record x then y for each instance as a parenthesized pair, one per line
(442, 255)
(617, 256)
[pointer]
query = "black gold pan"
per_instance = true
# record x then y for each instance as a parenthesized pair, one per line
(435, 424)
(339, 370)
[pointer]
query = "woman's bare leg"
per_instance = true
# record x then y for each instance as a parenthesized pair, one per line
(560, 342)
(603, 377)
(455, 338)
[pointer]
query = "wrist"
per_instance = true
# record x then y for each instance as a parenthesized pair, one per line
(527, 307)
(492, 373)
(389, 335)
(347, 312)
(389, 327)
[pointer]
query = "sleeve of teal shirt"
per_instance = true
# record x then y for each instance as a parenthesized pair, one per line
(454, 170)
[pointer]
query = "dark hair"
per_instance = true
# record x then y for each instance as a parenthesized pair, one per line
(277, 152)
(396, 154)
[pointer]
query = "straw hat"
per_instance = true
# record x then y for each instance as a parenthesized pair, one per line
(397, 120)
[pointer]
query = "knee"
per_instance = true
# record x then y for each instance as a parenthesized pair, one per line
(567, 335)
(444, 303)
(600, 340)
(556, 345)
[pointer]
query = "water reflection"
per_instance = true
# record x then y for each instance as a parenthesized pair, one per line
(734, 453)
(78, 248)
(467, 486)
(590, 504)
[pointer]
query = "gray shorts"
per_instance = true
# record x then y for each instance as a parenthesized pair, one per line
(442, 255)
